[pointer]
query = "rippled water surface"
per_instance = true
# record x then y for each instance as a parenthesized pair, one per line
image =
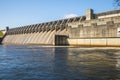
(59, 63)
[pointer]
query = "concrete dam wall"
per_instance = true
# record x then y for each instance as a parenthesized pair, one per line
(102, 29)
(49, 33)
(95, 32)
(39, 38)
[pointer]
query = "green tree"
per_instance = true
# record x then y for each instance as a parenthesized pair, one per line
(117, 3)
(1, 33)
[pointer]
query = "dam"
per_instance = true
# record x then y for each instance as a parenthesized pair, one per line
(92, 29)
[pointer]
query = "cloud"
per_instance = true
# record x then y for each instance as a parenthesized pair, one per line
(70, 15)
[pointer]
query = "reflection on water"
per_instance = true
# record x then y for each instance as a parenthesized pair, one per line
(59, 63)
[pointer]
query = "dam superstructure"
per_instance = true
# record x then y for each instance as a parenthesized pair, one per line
(48, 33)
(101, 29)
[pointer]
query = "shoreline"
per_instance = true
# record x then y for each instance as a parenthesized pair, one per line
(81, 47)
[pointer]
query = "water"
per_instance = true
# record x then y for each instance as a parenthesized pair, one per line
(59, 63)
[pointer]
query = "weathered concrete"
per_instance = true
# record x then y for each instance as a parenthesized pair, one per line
(98, 32)
(109, 28)
(42, 38)
(89, 14)
(108, 42)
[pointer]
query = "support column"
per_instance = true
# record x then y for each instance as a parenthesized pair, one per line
(89, 14)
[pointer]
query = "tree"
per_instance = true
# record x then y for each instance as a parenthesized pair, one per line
(1, 34)
(117, 3)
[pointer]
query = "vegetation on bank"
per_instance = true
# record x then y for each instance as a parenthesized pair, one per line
(1, 33)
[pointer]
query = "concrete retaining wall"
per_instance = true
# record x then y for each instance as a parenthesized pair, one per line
(95, 42)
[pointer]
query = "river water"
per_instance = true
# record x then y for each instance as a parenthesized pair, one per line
(59, 63)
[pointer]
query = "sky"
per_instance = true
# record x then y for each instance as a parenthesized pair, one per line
(16, 13)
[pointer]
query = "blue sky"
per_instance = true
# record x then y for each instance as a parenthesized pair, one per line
(15, 13)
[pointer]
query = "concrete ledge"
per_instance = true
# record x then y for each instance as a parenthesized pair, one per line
(98, 42)
(113, 41)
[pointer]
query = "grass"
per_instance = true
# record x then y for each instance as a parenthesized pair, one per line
(1, 33)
